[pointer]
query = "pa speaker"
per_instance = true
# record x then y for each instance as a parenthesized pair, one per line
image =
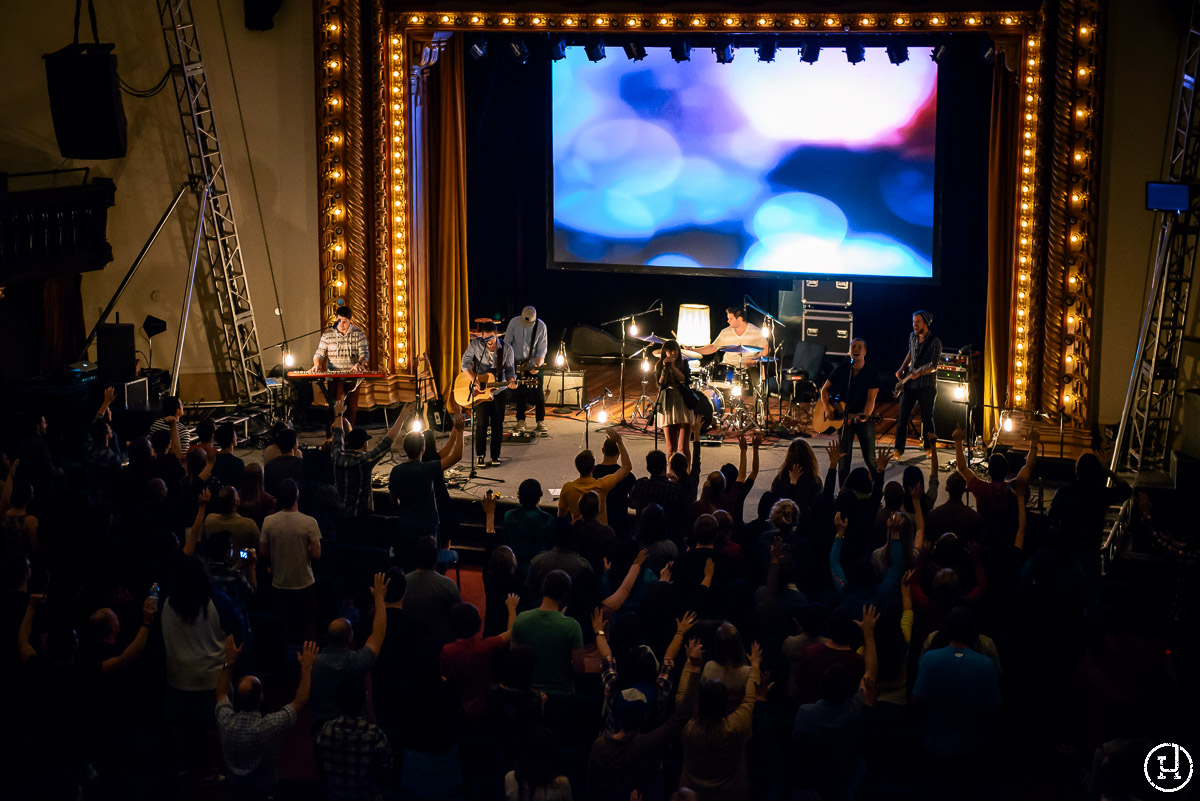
(950, 408)
(115, 356)
(85, 102)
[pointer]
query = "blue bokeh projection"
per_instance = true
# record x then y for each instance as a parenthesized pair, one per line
(774, 167)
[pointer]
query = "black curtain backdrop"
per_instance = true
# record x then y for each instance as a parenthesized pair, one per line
(508, 147)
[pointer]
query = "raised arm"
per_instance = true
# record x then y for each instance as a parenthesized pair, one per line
(379, 621)
(682, 626)
(135, 648)
(960, 456)
(742, 717)
(232, 649)
(510, 603)
(174, 447)
(193, 534)
(742, 448)
(308, 655)
(618, 598)
(835, 555)
(452, 453)
(25, 632)
(1022, 520)
(918, 513)
(870, 655)
(626, 465)
(1026, 474)
(755, 443)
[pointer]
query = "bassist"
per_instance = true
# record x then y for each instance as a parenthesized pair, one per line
(918, 382)
(487, 354)
(855, 384)
(527, 337)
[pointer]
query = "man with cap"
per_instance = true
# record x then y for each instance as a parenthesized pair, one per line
(526, 335)
(486, 354)
(353, 463)
(919, 368)
(343, 348)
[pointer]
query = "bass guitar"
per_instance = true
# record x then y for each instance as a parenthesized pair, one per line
(833, 416)
(488, 387)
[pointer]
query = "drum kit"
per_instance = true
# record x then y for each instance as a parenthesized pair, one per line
(731, 395)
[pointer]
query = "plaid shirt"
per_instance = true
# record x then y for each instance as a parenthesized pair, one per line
(666, 689)
(923, 354)
(352, 473)
(355, 755)
(251, 743)
(343, 351)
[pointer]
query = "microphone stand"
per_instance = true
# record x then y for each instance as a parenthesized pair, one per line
(624, 330)
(587, 415)
(780, 430)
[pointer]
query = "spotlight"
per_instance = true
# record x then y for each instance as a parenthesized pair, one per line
(681, 51)
(810, 52)
(855, 52)
(477, 48)
(289, 360)
(558, 48)
(417, 426)
(766, 51)
(897, 54)
(517, 50)
(1008, 424)
(960, 392)
(938, 54)
(724, 51)
(634, 51)
(595, 50)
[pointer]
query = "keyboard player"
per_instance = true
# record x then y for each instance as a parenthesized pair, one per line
(343, 348)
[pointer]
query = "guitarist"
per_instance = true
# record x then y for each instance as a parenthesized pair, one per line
(487, 354)
(527, 337)
(918, 379)
(855, 383)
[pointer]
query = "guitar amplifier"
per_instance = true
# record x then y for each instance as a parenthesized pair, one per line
(565, 388)
(833, 329)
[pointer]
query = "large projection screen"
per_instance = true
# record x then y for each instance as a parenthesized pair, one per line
(780, 168)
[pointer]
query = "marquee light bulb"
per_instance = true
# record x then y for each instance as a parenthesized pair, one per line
(633, 329)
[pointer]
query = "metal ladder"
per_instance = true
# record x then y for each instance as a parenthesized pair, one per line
(219, 230)
(1150, 399)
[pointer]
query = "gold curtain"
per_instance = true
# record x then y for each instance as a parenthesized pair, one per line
(450, 322)
(1002, 171)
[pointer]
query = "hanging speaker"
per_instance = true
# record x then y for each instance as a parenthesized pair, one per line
(85, 101)
(115, 357)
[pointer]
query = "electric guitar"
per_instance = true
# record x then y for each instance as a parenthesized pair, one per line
(488, 387)
(908, 377)
(833, 416)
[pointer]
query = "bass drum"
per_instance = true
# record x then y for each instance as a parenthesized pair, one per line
(709, 404)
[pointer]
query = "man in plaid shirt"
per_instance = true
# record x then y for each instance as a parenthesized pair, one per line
(343, 348)
(353, 751)
(353, 463)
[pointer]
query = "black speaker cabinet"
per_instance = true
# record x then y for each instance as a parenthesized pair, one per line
(85, 101)
(115, 357)
(950, 407)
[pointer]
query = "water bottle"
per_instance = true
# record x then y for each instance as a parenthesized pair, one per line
(154, 590)
(978, 451)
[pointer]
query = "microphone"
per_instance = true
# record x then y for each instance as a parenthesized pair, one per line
(660, 308)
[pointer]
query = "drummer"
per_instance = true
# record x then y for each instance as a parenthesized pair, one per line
(738, 333)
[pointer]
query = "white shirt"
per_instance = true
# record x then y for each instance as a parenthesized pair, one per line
(752, 336)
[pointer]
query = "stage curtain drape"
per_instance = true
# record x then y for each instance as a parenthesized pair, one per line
(62, 317)
(450, 326)
(1002, 172)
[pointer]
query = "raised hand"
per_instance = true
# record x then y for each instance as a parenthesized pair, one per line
(232, 649)
(512, 600)
(204, 497)
(488, 502)
(834, 453)
(741, 439)
(308, 655)
(763, 688)
(379, 587)
(664, 575)
(641, 557)
(840, 523)
(149, 610)
(869, 617)
(759, 436)
(776, 549)
(882, 458)
(959, 436)
(597, 620)
(684, 624)
(710, 568)
(755, 654)
(695, 653)
(339, 407)
(794, 474)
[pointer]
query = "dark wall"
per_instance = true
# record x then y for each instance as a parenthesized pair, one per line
(508, 171)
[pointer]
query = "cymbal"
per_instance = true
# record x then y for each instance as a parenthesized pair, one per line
(687, 354)
(766, 359)
(652, 339)
(487, 320)
(740, 349)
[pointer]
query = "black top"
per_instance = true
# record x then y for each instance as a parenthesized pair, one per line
(666, 378)
(414, 487)
(851, 388)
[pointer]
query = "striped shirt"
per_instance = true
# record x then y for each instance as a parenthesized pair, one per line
(343, 350)
(355, 755)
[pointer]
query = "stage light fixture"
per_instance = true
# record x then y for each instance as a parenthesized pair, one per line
(938, 54)
(897, 54)
(810, 52)
(477, 48)
(594, 50)
(517, 50)
(634, 51)
(766, 51)
(724, 51)
(681, 51)
(855, 52)
(558, 48)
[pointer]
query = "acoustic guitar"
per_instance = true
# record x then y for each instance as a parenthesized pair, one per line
(833, 416)
(488, 387)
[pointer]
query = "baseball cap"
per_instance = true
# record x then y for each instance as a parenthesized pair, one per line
(528, 316)
(357, 438)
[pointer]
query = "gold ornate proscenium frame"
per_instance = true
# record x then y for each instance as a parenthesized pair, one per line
(373, 168)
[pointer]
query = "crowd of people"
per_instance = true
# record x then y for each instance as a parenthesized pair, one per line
(181, 617)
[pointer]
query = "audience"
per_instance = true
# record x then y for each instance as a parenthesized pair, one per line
(884, 616)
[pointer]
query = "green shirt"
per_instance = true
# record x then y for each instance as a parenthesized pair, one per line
(553, 637)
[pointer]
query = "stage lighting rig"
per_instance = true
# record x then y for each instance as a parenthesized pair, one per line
(558, 48)
(634, 51)
(681, 51)
(810, 52)
(724, 51)
(517, 50)
(595, 50)
(766, 50)
(477, 47)
(897, 54)
(855, 52)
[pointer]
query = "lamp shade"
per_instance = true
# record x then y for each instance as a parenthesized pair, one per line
(694, 327)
